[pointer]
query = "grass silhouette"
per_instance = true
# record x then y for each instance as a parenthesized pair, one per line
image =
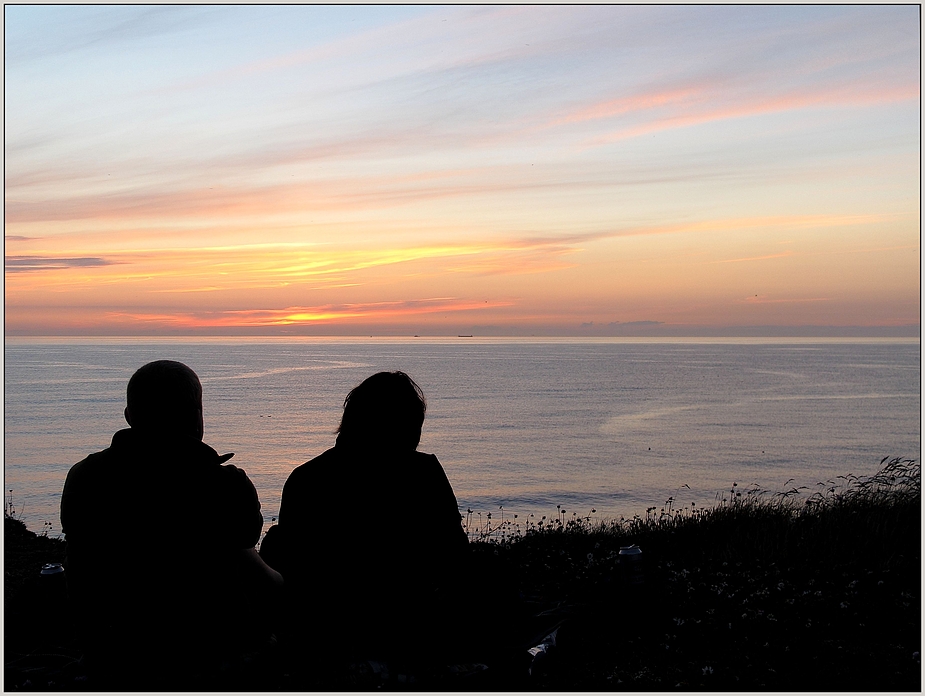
(758, 592)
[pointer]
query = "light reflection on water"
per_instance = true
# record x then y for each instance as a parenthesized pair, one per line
(617, 425)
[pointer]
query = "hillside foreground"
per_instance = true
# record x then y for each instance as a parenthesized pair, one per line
(757, 593)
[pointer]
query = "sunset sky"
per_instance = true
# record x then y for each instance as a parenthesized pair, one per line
(484, 170)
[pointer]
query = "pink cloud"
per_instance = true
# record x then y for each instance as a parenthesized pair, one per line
(692, 112)
(639, 102)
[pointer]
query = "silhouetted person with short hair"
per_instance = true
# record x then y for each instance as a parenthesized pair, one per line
(369, 536)
(161, 563)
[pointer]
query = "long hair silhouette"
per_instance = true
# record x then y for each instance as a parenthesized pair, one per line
(385, 412)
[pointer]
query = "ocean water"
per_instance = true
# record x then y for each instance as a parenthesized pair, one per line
(617, 425)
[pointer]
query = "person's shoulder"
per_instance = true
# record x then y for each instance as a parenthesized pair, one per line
(327, 458)
(427, 465)
(426, 460)
(302, 483)
(91, 461)
(233, 473)
(92, 464)
(318, 466)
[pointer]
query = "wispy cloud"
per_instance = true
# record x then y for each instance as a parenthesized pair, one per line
(644, 101)
(221, 269)
(757, 258)
(405, 47)
(22, 264)
(222, 266)
(68, 30)
(288, 316)
(685, 109)
(762, 299)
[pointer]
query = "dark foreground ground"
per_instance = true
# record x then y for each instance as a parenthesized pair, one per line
(758, 595)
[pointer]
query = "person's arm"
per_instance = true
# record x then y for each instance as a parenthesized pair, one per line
(242, 519)
(447, 506)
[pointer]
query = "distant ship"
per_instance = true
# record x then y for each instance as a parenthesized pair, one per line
(464, 336)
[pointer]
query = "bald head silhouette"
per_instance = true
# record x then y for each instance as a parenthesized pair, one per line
(163, 398)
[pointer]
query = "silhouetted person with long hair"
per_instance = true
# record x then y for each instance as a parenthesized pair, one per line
(160, 532)
(369, 538)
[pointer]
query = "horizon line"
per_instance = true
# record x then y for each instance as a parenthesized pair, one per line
(662, 331)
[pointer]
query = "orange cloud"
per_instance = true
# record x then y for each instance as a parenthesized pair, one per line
(227, 268)
(223, 266)
(374, 311)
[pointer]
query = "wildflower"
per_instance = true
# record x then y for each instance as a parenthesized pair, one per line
(707, 670)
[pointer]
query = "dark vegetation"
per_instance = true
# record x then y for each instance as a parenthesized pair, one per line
(760, 592)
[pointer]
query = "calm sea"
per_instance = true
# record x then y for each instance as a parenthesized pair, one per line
(617, 425)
